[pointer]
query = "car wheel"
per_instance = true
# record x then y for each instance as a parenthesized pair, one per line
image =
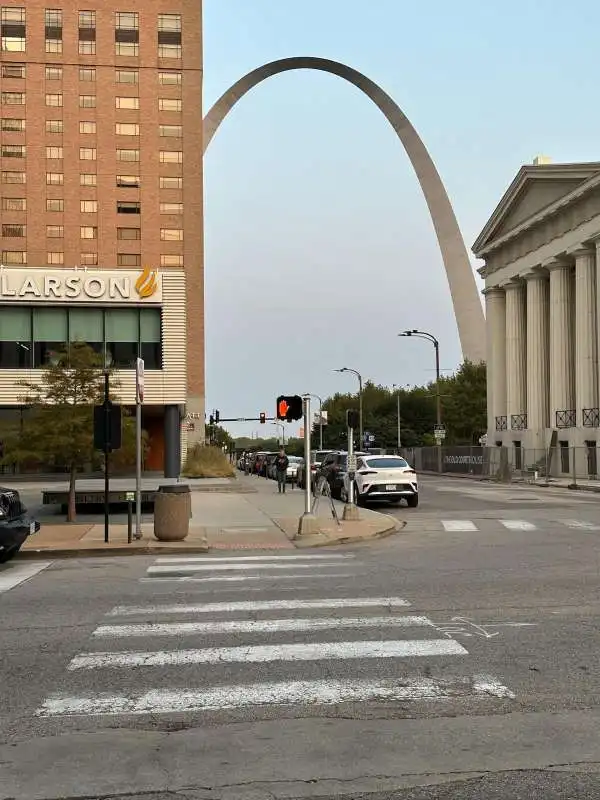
(358, 499)
(10, 552)
(413, 500)
(343, 495)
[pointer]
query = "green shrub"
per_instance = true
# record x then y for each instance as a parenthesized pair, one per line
(207, 462)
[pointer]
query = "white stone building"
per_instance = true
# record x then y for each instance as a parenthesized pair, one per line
(540, 249)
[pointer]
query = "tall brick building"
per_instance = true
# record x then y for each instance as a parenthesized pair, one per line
(101, 200)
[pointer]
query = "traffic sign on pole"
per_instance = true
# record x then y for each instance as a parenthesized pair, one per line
(139, 380)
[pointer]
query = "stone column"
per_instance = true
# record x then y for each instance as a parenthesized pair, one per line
(495, 315)
(537, 353)
(586, 345)
(516, 349)
(562, 379)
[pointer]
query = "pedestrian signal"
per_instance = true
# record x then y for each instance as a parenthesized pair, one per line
(290, 407)
(352, 418)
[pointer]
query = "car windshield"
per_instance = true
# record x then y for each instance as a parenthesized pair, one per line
(295, 459)
(320, 455)
(386, 463)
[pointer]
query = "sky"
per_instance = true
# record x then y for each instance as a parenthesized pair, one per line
(319, 244)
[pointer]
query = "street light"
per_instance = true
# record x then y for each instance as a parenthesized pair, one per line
(398, 390)
(316, 397)
(360, 400)
(282, 426)
(436, 346)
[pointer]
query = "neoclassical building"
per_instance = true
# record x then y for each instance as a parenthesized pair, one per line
(540, 249)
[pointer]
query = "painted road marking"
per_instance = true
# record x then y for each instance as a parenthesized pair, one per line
(456, 525)
(289, 693)
(15, 574)
(586, 526)
(175, 568)
(258, 626)
(262, 654)
(238, 578)
(518, 525)
(261, 605)
(212, 559)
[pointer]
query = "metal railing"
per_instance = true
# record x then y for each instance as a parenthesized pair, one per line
(591, 417)
(502, 423)
(518, 422)
(566, 418)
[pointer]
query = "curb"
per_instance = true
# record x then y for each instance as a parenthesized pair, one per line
(396, 527)
(95, 552)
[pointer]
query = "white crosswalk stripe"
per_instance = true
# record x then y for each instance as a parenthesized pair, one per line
(456, 525)
(235, 654)
(13, 574)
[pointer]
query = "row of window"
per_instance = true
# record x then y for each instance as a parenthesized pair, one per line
(91, 153)
(55, 100)
(55, 73)
(17, 230)
(124, 20)
(89, 259)
(91, 179)
(30, 336)
(13, 125)
(85, 207)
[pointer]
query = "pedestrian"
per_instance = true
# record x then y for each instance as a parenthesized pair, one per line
(281, 465)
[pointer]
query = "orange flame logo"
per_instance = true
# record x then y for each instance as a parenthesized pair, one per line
(147, 283)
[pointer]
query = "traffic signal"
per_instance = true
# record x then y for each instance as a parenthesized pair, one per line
(290, 407)
(211, 420)
(263, 417)
(217, 417)
(352, 418)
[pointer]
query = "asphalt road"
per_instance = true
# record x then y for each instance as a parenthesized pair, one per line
(456, 659)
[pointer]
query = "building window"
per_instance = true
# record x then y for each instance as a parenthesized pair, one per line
(8, 125)
(14, 204)
(131, 49)
(53, 17)
(55, 258)
(14, 231)
(54, 152)
(169, 260)
(13, 151)
(55, 204)
(128, 208)
(174, 131)
(171, 208)
(171, 156)
(169, 22)
(54, 46)
(54, 30)
(55, 178)
(55, 231)
(87, 19)
(54, 126)
(129, 260)
(88, 259)
(87, 179)
(54, 100)
(13, 98)
(87, 127)
(169, 104)
(169, 51)
(129, 234)
(13, 257)
(54, 73)
(87, 47)
(15, 336)
(127, 102)
(9, 176)
(128, 181)
(87, 33)
(170, 78)
(87, 101)
(88, 232)
(171, 234)
(87, 153)
(50, 333)
(88, 206)
(127, 129)
(87, 74)
(128, 155)
(127, 76)
(13, 29)
(127, 20)
(13, 71)
(170, 182)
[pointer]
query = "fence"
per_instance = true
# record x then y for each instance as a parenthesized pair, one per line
(508, 464)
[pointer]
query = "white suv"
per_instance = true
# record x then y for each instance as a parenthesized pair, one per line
(389, 478)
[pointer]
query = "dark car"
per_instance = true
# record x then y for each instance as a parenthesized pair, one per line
(15, 524)
(333, 468)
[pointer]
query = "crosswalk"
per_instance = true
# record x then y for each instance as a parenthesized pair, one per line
(484, 524)
(318, 646)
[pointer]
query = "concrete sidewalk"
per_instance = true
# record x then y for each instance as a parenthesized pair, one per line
(256, 518)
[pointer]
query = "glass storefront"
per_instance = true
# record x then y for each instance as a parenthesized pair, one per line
(29, 335)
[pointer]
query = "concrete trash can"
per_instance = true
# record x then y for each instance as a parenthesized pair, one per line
(172, 512)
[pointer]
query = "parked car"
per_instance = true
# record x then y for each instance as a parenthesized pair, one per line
(292, 471)
(316, 458)
(387, 478)
(270, 468)
(15, 524)
(333, 469)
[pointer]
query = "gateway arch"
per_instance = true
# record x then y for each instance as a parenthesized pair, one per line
(463, 288)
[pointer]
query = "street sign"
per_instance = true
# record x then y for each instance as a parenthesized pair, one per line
(371, 437)
(352, 463)
(139, 380)
(130, 496)
(440, 435)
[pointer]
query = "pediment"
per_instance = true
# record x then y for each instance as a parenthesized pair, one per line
(534, 189)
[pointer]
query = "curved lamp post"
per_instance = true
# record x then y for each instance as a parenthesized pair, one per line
(316, 397)
(436, 346)
(360, 400)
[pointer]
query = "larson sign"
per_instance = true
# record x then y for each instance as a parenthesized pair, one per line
(80, 286)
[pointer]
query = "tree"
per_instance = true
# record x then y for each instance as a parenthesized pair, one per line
(57, 427)
(465, 409)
